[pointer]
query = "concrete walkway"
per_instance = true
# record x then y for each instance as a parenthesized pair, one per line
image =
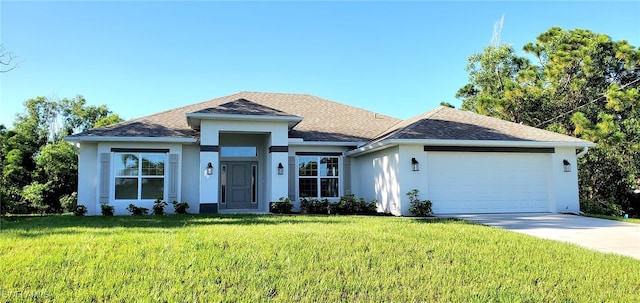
(606, 236)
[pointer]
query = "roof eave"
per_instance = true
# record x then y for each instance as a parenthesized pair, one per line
(194, 119)
(300, 142)
(368, 148)
(79, 139)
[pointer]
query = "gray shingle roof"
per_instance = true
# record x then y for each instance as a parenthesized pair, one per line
(242, 107)
(324, 120)
(451, 124)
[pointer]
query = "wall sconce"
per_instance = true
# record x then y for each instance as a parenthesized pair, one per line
(209, 169)
(280, 169)
(415, 165)
(567, 166)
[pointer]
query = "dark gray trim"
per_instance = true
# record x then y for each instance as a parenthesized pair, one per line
(278, 149)
(493, 149)
(139, 150)
(208, 208)
(334, 154)
(209, 148)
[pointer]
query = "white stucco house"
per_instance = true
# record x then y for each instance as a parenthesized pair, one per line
(237, 153)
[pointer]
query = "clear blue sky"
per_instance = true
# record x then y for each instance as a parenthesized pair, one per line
(396, 58)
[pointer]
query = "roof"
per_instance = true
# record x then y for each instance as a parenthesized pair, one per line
(242, 107)
(445, 123)
(323, 120)
(326, 120)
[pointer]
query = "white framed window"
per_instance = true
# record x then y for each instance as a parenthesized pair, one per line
(319, 176)
(139, 176)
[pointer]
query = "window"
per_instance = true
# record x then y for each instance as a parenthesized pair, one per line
(238, 151)
(139, 176)
(318, 176)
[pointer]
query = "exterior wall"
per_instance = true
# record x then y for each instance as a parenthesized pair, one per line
(121, 205)
(191, 177)
(261, 142)
(411, 179)
(387, 176)
(564, 194)
(88, 165)
(376, 176)
(294, 193)
(264, 134)
(209, 184)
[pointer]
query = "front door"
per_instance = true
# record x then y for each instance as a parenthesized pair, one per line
(239, 184)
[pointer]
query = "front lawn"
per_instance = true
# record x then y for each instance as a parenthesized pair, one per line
(297, 258)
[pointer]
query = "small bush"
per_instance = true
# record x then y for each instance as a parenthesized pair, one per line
(180, 207)
(349, 205)
(137, 211)
(69, 202)
(420, 208)
(283, 206)
(314, 206)
(607, 208)
(106, 209)
(158, 207)
(80, 210)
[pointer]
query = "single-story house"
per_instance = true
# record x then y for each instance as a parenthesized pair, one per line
(237, 153)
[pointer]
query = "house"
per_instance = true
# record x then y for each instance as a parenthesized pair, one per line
(237, 153)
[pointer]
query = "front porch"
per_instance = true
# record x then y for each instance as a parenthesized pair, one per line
(242, 164)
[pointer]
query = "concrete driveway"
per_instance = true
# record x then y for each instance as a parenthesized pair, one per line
(606, 236)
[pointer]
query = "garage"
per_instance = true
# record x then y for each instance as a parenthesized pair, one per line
(488, 182)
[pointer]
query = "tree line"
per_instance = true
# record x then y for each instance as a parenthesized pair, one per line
(39, 172)
(574, 82)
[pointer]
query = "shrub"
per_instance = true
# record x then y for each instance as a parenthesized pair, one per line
(607, 208)
(69, 202)
(80, 210)
(349, 205)
(137, 211)
(420, 208)
(158, 207)
(180, 207)
(314, 206)
(283, 206)
(106, 209)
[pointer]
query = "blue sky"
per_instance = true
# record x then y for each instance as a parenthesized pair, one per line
(396, 58)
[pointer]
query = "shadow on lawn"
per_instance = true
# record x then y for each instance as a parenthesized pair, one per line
(33, 226)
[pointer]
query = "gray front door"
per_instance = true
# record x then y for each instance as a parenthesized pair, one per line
(241, 185)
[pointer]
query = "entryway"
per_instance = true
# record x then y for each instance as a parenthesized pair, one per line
(238, 185)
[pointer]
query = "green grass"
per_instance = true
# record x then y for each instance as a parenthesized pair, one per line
(297, 258)
(630, 220)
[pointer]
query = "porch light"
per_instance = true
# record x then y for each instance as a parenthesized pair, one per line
(280, 169)
(209, 169)
(415, 165)
(567, 165)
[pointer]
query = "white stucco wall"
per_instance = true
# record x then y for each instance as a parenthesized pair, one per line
(387, 175)
(313, 148)
(375, 176)
(121, 205)
(88, 164)
(564, 198)
(262, 134)
(191, 177)
(411, 179)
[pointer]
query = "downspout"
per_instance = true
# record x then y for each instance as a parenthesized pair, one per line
(582, 152)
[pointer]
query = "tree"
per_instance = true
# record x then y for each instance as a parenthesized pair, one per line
(583, 84)
(38, 167)
(7, 60)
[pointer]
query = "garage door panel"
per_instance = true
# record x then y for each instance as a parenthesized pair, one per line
(488, 182)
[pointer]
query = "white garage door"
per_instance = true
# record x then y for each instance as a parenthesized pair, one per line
(471, 182)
